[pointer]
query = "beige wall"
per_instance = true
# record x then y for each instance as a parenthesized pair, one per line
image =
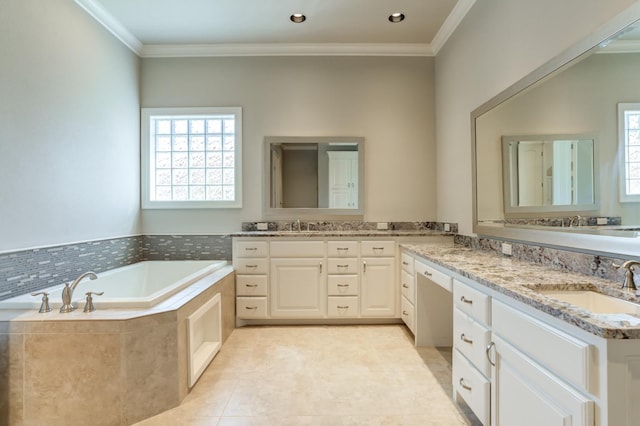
(68, 127)
(389, 101)
(497, 43)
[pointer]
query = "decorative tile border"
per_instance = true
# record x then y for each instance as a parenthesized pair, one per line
(567, 221)
(187, 247)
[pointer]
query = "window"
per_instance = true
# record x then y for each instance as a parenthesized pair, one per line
(629, 150)
(191, 158)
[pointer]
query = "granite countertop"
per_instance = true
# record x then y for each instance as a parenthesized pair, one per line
(520, 280)
(342, 233)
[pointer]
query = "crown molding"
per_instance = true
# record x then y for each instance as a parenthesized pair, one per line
(285, 49)
(458, 13)
(112, 25)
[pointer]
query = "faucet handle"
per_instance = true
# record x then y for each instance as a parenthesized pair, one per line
(44, 306)
(88, 307)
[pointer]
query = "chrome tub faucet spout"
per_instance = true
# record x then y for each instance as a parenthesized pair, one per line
(67, 291)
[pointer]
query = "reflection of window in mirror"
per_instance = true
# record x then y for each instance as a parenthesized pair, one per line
(629, 148)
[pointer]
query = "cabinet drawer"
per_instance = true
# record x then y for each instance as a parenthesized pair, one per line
(407, 286)
(565, 355)
(250, 266)
(440, 278)
(251, 285)
(251, 307)
(408, 313)
(342, 285)
(406, 262)
(251, 249)
(472, 302)
(342, 306)
(471, 339)
(343, 266)
(342, 249)
(297, 248)
(472, 386)
(378, 248)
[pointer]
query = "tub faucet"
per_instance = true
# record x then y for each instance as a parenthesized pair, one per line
(572, 219)
(67, 291)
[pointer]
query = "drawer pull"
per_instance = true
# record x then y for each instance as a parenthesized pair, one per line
(343, 285)
(378, 249)
(343, 248)
(464, 386)
(491, 345)
(428, 274)
(251, 308)
(343, 307)
(342, 266)
(465, 300)
(466, 339)
(405, 313)
(251, 285)
(251, 248)
(405, 263)
(404, 285)
(252, 266)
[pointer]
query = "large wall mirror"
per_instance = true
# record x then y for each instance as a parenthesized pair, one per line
(573, 100)
(320, 177)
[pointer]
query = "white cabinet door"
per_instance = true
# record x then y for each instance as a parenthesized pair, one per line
(298, 288)
(524, 393)
(378, 287)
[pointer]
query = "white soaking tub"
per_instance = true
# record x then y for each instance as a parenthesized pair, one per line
(140, 285)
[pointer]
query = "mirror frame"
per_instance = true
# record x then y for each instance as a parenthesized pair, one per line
(309, 213)
(557, 238)
(511, 211)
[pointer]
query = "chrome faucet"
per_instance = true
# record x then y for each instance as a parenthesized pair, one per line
(299, 228)
(67, 291)
(629, 284)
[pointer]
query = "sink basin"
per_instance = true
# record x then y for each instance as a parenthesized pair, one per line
(594, 302)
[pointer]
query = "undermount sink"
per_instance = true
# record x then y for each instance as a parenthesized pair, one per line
(594, 302)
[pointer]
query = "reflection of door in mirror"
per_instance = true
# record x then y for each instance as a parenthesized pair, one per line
(276, 175)
(343, 179)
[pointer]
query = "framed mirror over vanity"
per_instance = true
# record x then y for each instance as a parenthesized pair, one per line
(557, 155)
(308, 176)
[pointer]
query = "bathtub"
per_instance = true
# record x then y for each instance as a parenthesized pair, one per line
(140, 285)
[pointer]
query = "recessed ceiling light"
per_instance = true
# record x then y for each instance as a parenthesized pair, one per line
(297, 18)
(396, 17)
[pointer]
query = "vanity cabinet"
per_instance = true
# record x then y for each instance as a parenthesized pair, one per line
(343, 279)
(378, 286)
(251, 265)
(471, 370)
(407, 291)
(298, 279)
(288, 278)
(541, 374)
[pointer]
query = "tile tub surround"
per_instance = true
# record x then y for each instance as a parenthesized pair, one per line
(30, 270)
(518, 279)
(115, 367)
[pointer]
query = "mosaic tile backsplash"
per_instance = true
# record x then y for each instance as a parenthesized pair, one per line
(30, 270)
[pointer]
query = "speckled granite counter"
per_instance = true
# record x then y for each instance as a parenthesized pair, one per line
(343, 233)
(520, 280)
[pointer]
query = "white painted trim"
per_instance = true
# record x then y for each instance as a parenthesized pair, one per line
(114, 26)
(285, 49)
(621, 46)
(459, 11)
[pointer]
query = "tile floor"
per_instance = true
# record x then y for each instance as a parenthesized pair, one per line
(322, 375)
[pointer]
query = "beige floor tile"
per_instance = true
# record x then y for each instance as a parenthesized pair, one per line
(322, 375)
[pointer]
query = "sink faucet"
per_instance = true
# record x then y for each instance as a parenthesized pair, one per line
(576, 218)
(629, 284)
(67, 291)
(299, 228)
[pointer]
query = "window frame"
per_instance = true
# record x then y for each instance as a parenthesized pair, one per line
(146, 114)
(622, 149)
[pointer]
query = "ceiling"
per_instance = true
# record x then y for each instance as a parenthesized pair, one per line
(153, 28)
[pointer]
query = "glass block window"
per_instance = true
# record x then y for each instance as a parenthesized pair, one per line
(629, 150)
(191, 157)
